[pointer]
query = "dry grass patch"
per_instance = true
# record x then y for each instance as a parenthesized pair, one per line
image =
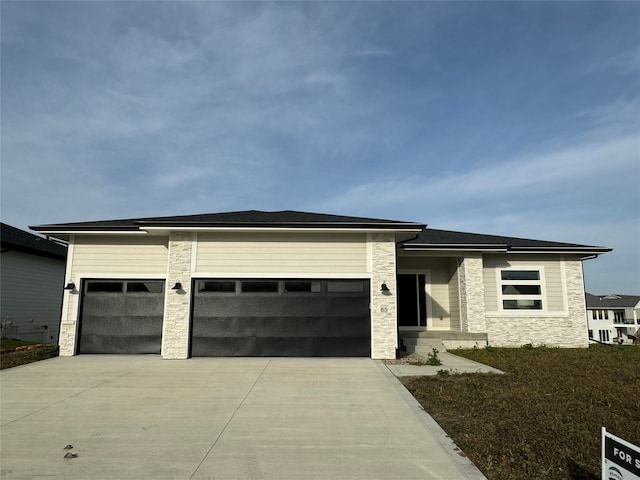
(19, 352)
(542, 419)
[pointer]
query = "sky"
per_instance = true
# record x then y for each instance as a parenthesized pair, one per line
(518, 119)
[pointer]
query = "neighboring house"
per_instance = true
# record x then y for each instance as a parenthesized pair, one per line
(289, 283)
(31, 280)
(613, 318)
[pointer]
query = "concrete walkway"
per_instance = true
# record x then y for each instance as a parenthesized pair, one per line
(141, 417)
(450, 362)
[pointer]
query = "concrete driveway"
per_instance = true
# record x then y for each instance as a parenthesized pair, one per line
(141, 417)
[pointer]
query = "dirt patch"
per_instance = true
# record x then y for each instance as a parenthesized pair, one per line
(407, 359)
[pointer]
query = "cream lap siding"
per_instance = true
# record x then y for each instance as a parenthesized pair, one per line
(454, 295)
(554, 289)
(271, 253)
(489, 266)
(113, 254)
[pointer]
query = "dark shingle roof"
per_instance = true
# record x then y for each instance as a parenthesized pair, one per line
(248, 218)
(612, 301)
(15, 239)
(432, 239)
(428, 239)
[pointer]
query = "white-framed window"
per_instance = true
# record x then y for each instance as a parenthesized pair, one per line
(600, 314)
(604, 335)
(521, 288)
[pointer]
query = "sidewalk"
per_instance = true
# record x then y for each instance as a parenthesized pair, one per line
(450, 362)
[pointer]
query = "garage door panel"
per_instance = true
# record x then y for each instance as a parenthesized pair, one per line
(117, 320)
(319, 323)
(274, 306)
(114, 325)
(144, 306)
(114, 344)
(280, 327)
(279, 347)
(108, 304)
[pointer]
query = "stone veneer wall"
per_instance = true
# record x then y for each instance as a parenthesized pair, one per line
(383, 305)
(564, 330)
(175, 330)
(70, 304)
(471, 288)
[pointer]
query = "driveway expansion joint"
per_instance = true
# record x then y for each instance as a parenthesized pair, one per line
(222, 430)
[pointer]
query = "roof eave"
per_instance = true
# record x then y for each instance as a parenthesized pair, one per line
(455, 247)
(263, 228)
(75, 230)
(577, 250)
(586, 251)
(192, 227)
(349, 225)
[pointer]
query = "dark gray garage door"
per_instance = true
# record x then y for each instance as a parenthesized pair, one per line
(295, 318)
(121, 316)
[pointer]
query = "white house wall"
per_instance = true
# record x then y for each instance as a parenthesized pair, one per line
(276, 253)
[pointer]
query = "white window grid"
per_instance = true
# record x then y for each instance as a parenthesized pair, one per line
(541, 282)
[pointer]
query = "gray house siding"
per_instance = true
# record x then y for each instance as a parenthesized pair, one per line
(31, 296)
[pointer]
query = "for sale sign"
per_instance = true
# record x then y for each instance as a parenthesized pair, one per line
(620, 459)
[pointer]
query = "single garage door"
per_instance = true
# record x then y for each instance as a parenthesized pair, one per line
(281, 317)
(121, 316)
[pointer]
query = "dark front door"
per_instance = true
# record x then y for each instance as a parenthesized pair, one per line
(121, 316)
(281, 317)
(412, 300)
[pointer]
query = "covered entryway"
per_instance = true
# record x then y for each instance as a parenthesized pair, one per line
(121, 316)
(412, 299)
(281, 317)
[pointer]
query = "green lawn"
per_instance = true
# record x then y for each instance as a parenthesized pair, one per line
(542, 419)
(13, 343)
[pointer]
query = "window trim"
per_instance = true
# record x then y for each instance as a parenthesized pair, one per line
(542, 297)
(124, 282)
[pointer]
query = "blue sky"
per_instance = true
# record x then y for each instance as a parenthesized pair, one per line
(518, 119)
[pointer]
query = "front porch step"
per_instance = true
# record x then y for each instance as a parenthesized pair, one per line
(424, 342)
(423, 346)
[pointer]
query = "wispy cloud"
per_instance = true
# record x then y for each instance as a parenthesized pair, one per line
(372, 52)
(410, 110)
(527, 182)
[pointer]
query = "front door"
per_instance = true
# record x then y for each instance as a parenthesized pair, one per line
(412, 300)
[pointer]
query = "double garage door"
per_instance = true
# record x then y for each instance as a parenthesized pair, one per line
(233, 317)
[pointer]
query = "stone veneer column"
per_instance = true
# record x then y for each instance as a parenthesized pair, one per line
(69, 323)
(576, 303)
(70, 304)
(383, 305)
(471, 287)
(175, 329)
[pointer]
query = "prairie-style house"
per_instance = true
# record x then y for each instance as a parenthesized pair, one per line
(288, 283)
